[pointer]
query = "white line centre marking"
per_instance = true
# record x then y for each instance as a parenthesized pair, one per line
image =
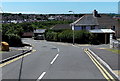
(41, 76)
(54, 59)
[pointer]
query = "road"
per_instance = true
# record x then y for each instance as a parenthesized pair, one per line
(51, 60)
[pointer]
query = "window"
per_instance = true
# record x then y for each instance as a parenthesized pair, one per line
(92, 27)
(83, 27)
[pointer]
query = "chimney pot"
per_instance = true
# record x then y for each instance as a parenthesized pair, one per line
(95, 13)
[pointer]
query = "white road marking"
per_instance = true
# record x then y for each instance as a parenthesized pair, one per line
(54, 59)
(41, 76)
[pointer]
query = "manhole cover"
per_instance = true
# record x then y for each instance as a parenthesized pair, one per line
(44, 46)
(53, 48)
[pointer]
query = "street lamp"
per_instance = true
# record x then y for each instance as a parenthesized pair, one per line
(73, 27)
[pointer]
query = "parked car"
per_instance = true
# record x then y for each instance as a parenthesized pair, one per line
(39, 37)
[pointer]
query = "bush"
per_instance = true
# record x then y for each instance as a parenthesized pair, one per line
(94, 39)
(51, 36)
(12, 39)
(65, 36)
(81, 37)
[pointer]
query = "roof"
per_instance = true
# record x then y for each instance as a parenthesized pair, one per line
(89, 20)
(39, 30)
(86, 20)
(61, 26)
(51, 18)
(27, 34)
(106, 21)
(102, 31)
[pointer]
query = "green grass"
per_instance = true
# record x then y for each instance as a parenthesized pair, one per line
(114, 51)
(1, 51)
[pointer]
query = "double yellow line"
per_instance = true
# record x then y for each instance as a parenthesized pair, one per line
(104, 72)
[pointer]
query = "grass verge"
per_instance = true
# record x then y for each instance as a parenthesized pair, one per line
(114, 51)
(1, 51)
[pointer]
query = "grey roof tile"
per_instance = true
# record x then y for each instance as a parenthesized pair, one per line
(62, 26)
(86, 20)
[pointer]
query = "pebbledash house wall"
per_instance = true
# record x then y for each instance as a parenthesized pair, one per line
(85, 27)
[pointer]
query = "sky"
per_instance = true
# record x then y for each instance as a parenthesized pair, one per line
(60, 0)
(58, 7)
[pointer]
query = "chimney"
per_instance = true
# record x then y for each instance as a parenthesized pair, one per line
(95, 13)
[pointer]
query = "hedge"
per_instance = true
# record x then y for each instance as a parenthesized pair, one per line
(94, 39)
(81, 37)
(12, 39)
(51, 36)
(65, 36)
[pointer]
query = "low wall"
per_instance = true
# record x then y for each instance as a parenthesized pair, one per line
(115, 43)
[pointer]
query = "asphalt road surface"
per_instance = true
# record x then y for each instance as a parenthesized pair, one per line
(50, 60)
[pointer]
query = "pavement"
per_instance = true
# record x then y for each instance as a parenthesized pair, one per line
(54, 61)
(14, 51)
(11, 53)
(112, 59)
(118, 39)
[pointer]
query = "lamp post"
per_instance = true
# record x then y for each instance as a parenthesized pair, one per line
(73, 28)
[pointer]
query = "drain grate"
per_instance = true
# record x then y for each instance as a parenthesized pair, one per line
(53, 48)
(44, 46)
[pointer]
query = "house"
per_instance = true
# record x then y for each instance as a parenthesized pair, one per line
(61, 27)
(39, 34)
(103, 34)
(51, 18)
(28, 34)
(118, 30)
(97, 22)
(116, 17)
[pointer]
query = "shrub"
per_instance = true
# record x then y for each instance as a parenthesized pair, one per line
(51, 36)
(81, 37)
(94, 39)
(66, 36)
(12, 39)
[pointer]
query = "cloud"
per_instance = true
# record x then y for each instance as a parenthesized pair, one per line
(60, 0)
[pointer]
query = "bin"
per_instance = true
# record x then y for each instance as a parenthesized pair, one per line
(5, 46)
